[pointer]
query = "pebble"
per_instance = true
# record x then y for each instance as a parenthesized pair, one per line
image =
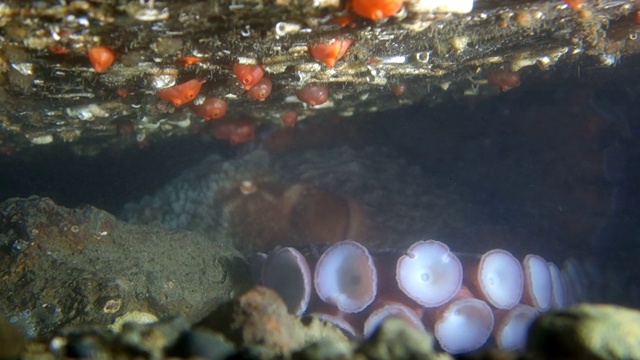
(395, 339)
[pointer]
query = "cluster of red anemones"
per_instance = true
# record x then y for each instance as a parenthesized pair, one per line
(210, 108)
(253, 80)
(258, 86)
(251, 77)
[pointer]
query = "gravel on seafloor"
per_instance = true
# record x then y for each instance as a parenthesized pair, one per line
(255, 325)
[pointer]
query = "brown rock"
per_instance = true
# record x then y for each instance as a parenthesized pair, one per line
(394, 339)
(257, 318)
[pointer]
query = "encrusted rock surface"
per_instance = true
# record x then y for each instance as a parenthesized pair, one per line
(64, 266)
(50, 93)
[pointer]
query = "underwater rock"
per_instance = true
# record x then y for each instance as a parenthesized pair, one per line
(324, 349)
(258, 323)
(395, 339)
(95, 341)
(152, 339)
(587, 331)
(64, 266)
(256, 318)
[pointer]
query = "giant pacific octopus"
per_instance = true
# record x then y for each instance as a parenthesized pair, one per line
(262, 200)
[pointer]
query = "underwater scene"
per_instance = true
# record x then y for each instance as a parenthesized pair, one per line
(320, 180)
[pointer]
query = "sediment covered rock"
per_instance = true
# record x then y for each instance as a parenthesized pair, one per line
(64, 266)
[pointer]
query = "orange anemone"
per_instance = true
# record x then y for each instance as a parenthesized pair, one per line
(574, 4)
(376, 9)
(313, 95)
(248, 75)
(58, 49)
(261, 90)
(101, 57)
(189, 60)
(211, 108)
(504, 79)
(289, 118)
(331, 51)
(182, 93)
(344, 21)
(236, 131)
